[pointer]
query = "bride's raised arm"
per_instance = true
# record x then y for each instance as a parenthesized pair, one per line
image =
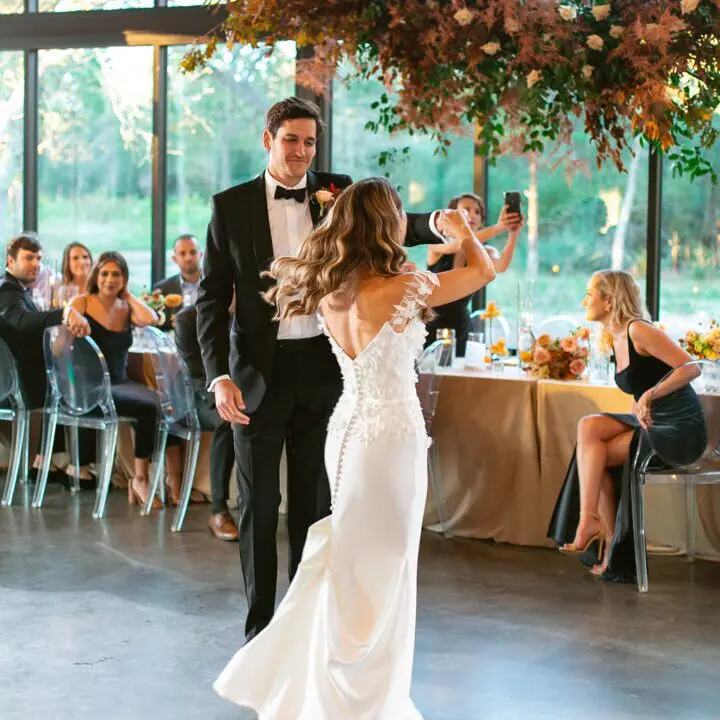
(479, 271)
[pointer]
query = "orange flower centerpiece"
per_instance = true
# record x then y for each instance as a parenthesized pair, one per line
(703, 345)
(559, 358)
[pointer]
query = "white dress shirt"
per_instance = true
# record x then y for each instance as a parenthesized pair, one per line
(290, 224)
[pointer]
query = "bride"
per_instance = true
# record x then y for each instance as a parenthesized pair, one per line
(340, 645)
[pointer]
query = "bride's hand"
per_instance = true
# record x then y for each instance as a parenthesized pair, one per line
(452, 223)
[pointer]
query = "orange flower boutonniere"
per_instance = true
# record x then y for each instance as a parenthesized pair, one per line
(325, 197)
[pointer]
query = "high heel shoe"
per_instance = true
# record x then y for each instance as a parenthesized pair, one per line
(599, 537)
(135, 496)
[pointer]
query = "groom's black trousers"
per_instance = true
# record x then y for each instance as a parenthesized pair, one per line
(302, 390)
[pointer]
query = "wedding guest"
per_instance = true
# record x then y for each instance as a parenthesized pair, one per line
(22, 324)
(592, 516)
(75, 270)
(111, 311)
(187, 255)
(222, 451)
(77, 263)
(456, 315)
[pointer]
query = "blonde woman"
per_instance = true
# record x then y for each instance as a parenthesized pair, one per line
(444, 257)
(592, 515)
(341, 642)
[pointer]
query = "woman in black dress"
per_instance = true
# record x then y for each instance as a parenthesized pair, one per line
(444, 257)
(112, 310)
(592, 515)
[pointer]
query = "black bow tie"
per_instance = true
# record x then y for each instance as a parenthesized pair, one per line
(282, 193)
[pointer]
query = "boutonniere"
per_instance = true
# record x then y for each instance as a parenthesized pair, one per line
(325, 197)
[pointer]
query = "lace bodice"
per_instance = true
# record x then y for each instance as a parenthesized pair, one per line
(379, 395)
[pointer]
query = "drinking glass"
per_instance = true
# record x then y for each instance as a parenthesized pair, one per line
(447, 337)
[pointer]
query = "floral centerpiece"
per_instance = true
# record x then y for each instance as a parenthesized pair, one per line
(703, 345)
(559, 358)
(164, 305)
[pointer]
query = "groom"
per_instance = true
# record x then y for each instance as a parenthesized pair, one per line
(277, 382)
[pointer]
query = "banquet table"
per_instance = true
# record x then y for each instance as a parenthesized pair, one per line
(505, 441)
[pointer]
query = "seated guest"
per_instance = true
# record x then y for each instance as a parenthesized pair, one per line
(222, 452)
(188, 257)
(443, 257)
(75, 270)
(111, 310)
(77, 263)
(22, 325)
(592, 515)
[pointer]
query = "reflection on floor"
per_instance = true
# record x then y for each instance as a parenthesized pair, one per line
(119, 619)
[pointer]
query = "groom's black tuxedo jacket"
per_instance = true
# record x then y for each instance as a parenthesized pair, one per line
(239, 248)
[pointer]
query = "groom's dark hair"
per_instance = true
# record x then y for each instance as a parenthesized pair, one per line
(293, 108)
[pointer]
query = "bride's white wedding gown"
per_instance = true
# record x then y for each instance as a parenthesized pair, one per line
(341, 643)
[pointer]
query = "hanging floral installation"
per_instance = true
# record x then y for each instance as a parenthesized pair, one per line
(523, 70)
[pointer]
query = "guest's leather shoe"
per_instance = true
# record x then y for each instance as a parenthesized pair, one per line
(223, 527)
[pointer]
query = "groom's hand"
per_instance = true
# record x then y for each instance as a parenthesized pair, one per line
(229, 402)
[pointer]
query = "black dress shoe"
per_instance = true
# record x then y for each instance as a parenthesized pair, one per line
(55, 477)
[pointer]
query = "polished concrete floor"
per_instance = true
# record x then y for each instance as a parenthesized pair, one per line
(118, 619)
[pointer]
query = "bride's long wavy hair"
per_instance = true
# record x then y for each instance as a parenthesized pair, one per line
(359, 237)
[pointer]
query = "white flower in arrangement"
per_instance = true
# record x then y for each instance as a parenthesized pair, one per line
(616, 31)
(601, 12)
(490, 48)
(567, 12)
(595, 42)
(464, 16)
(533, 78)
(587, 71)
(688, 6)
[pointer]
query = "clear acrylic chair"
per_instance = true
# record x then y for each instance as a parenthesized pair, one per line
(557, 326)
(79, 396)
(704, 470)
(433, 357)
(500, 327)
(14, 409)
(178, 416)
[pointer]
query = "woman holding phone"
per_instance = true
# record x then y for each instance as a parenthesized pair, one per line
(444, 257)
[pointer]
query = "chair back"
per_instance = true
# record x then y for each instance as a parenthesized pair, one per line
(428, 387)
(500, 328)
(685, 431)
(77, 371)
(9, 378)
(174, 384)
(557, 326)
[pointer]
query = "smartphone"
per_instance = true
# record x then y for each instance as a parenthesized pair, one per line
(512, 201)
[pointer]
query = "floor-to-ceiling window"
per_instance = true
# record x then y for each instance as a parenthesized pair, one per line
(215, 122)
(11, 143)
(690, 251)
(579, 219)
(426, 178)
(94, 177)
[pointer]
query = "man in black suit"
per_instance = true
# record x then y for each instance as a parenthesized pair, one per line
(21, 323)
(188, 257)
(222, 452)
(278, 382)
